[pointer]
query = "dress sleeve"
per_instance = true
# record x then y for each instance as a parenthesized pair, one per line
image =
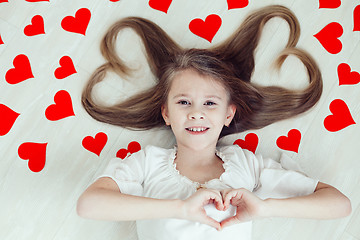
(281, 180)
(128, 174)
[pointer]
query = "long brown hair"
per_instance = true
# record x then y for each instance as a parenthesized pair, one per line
(231, 63)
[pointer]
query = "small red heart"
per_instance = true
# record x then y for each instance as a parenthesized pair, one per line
(114, 0)
(62, 107)
(1, 1)
(66, 68)
(290, 142)
(161, 5)
(35, 153)
(206, 29)
(7, 119)
(131, 148)
(1, 41)
(340, 118)
(237, 4)
(36, 27)
(346, 77)
(357, 18)
(95, 145)
(329, 3)
(21, 71)
(38, 0)
(328, 37)
(250, 143)
(79, 23)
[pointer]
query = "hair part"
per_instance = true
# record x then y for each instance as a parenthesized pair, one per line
(231, 63)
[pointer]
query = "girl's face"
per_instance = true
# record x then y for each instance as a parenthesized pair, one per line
(197, 108)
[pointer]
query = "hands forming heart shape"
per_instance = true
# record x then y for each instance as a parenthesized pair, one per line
(248, 206)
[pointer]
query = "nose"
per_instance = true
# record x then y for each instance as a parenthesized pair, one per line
(196, 115)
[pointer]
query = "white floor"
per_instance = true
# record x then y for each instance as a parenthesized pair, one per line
(41, 205)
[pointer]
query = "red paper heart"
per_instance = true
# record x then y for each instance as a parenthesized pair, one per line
(114, 0)
(357, 18)
(66, 68)
(35, 153)
(1, 1)
(250, 143)
(79, 23)
(237, 4)
(7, 119)
(1, 41)
(38, 0)
(346, 77)
(329, 3)
(36, 27)
(290, 142)
(206, 29)
(21, 71)
(132, 148)
(95, 145)
(62, 107)
(340, 118)
(328, 37)
(161, 5)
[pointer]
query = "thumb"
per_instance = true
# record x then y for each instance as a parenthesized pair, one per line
(211, 222)
(228, 222)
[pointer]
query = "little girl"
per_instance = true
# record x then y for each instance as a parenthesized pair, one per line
(196, 191)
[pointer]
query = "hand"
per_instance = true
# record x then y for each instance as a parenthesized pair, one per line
(248, 206)
(193, 207)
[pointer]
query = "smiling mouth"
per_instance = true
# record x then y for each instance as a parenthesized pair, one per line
(197, 130)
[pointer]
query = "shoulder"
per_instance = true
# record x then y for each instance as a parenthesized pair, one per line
(241, 157)
(234, 152)
(151, 151)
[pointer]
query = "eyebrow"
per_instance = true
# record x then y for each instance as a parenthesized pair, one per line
(208, 96)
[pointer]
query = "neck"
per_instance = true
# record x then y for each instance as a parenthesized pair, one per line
(191, 157)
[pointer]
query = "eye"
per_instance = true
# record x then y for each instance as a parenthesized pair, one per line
(210, 103)
(183, 102)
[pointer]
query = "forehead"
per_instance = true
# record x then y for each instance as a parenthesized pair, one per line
(192, 83)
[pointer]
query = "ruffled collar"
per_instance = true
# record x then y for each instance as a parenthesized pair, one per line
(172, 165)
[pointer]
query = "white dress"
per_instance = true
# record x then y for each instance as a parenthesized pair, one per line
(152, 173)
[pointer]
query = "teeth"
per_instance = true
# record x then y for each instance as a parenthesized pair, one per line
(197, 129)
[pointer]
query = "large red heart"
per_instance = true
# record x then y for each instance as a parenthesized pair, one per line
(346, 77)
(7, 119)
(357, 18)
(62, 107)
(206, 29)
(328, 37)
(36, 27)
(132, 148)
(79, 23)
(35, 153)
(21, 71)
(66, 68)
(340, 118)
(95, 145)
(329, 3)
(237, 4)
(290, 142)
(250, 143)
(161, 5)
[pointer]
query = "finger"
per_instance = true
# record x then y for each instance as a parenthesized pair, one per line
(228, 222)
(217, 200)
(230, 195)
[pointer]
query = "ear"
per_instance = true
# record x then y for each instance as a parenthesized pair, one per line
(230, 114)
(165, 115)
